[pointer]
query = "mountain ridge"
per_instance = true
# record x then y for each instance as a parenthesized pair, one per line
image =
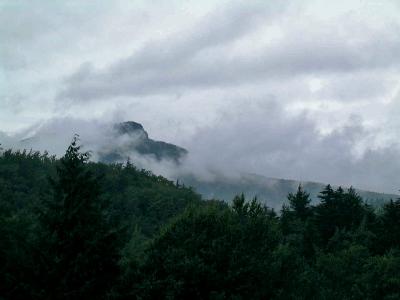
(270, 190)
(129, 139)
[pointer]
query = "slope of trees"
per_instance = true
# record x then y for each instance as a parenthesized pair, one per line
(73, 229)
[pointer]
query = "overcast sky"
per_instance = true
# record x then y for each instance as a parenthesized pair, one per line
(305, 90)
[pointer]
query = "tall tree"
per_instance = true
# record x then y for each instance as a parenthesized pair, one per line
(338, 210)
(300, 203)
(81, 248)
(389, 235)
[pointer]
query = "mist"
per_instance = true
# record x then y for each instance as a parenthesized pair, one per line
(255, 137)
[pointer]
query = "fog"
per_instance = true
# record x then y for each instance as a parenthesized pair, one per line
(258, 138)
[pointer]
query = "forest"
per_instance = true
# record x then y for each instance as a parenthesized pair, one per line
(71, 228)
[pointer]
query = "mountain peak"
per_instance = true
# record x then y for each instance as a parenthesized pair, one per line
(138, 140)
(130, 127)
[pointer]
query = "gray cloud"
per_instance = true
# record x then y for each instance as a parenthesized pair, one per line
(261, 139)
(31, 28)
(173, 62)
(356, 87)
(256, 137)
(207, 58)
(307, 90)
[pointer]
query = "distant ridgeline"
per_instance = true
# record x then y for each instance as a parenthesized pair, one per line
(273, 191)
(137, 139)
(129, 140)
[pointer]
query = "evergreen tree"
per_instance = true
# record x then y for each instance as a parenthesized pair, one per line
(325, 214)
(327, 195)
(81, 249)
(338, 210)
(390, 225)
(300, 203)
(296, 222)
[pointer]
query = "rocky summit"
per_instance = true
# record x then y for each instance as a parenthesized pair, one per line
(132, 137)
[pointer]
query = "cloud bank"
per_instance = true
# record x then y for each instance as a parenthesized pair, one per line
(261, 139)
(306, 90)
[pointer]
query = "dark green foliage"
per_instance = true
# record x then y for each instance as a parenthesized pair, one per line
(211, 253)
(339, 273)
(300, 203)
(68, 233)
(389, 234)
(296, 222)
(98, 231)
(23, 182)
(338, 210)
(80, 245)
(138, 198)
(380, 277)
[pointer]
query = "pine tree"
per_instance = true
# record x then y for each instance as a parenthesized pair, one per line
(81, 249)
(327, 195)
(300, 203)
(390, 225)
(338, 210)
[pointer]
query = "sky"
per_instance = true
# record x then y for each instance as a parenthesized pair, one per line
(306, 90)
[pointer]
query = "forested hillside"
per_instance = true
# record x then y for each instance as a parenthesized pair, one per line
(74, 229)
(119, 141)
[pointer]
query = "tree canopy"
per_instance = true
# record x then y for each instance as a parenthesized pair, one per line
(74, 229)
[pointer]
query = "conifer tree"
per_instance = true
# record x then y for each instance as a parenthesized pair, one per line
(81, 249)
(338, 210)
(390, 225)
(300, 203)
(327, 195)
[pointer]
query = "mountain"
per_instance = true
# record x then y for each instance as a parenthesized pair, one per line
(131, 136)
(135, 138)
(108, 142)
(125, 140)
(272, 191)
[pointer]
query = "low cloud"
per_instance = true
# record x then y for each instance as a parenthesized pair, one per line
(258, 138)
(262, 139)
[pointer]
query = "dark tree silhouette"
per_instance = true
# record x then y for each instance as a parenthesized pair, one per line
(81, 248)
(300, 203)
